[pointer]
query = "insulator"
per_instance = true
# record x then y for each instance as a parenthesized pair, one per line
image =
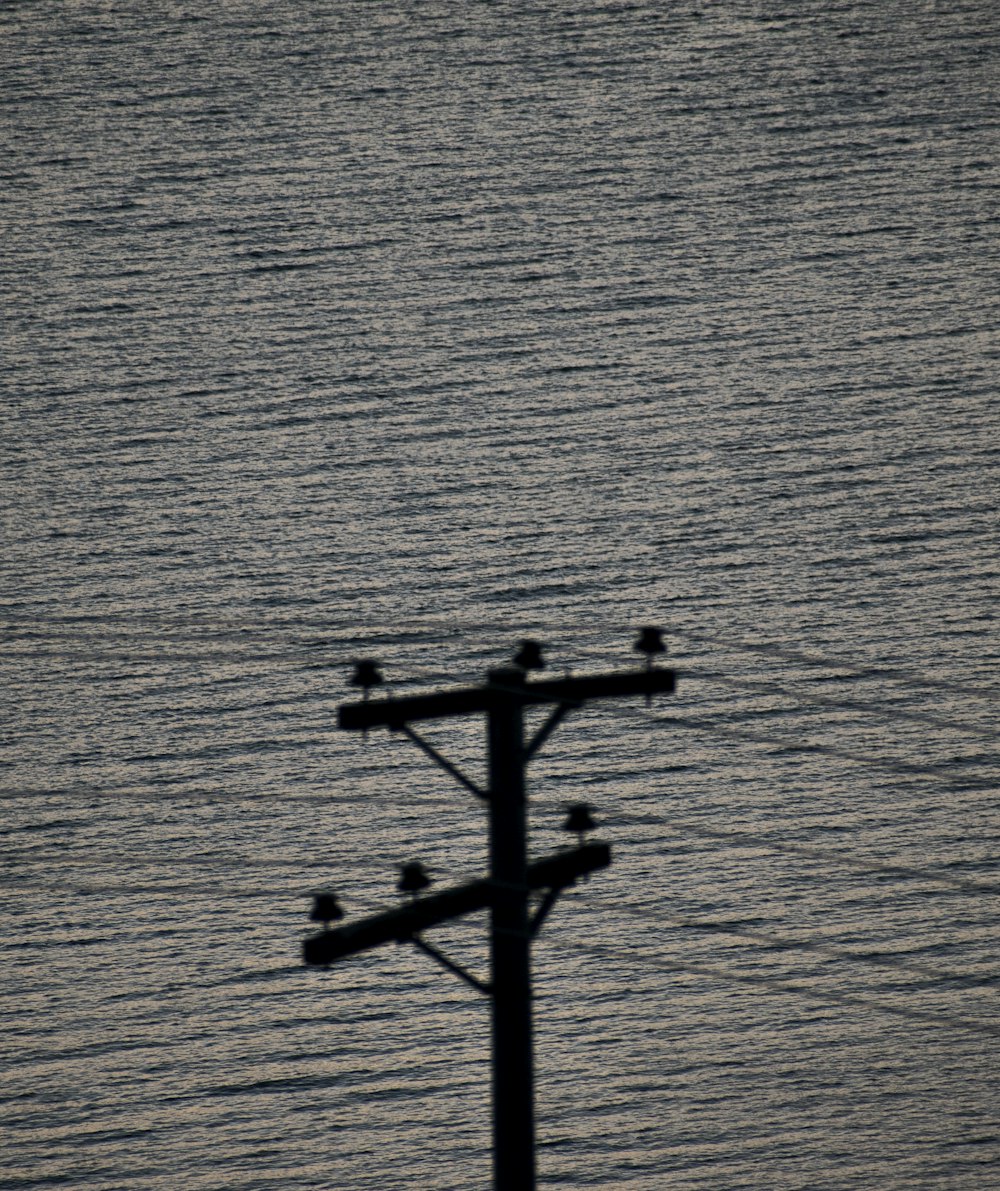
(325, 909)
(413, 878)
(529, 656)
(650, 641)
(579, 818)
(366, 674)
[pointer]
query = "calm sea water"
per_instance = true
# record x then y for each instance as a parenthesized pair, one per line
(405, 331)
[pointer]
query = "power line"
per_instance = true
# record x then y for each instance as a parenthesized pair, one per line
(763, 939)
(785, 745)
(431, 631)
(836, 859)
(858, 669)
(139, 873)
(711, 726)
(833, 858)
(771, 941)
(807, 701)
(705, 724)
(774, 984)
(788, 746)
(677, 827)
(304, 658)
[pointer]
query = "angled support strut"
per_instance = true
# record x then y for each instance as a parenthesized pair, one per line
(450, 965)
(438, 759)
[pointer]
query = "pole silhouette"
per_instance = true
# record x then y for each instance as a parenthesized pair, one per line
(507, 890)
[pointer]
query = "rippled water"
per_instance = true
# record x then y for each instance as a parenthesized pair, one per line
(406, 331)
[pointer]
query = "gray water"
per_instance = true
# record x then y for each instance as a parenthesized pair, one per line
(410, 330)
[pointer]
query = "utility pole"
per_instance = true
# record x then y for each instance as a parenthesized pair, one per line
(506, 892)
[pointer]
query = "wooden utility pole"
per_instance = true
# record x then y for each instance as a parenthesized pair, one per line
(502, 699)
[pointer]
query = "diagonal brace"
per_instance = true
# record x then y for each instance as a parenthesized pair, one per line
(546, 904)
(438, 759)
(450, 965)
(545, 731)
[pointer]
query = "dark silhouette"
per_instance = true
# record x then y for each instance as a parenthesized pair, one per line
(414, 879)
(529, 656)
(325, 909)
(579, 820)
(503, 700)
